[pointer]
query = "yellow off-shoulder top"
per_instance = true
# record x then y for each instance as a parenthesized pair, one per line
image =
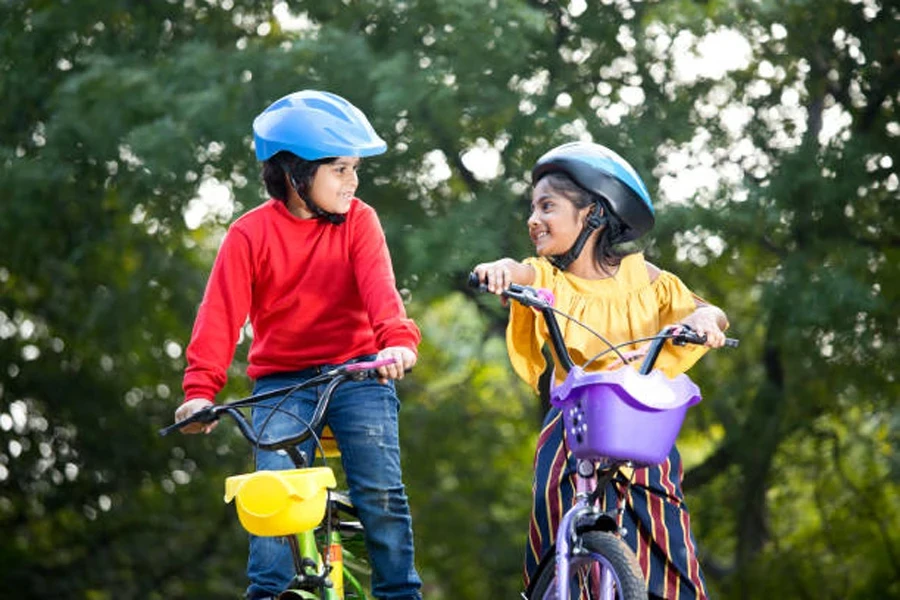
(623, 307)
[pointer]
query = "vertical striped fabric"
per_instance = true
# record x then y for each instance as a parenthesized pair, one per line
(656, 517)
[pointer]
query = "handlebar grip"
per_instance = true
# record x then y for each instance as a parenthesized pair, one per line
(206, 415)
(371, 364)
(690, 337)
(526, 295)
(169, 429)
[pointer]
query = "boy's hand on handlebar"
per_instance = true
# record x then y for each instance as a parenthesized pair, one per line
(404, 359)
(189, 408)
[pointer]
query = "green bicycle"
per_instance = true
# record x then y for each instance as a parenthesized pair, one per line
(300, 504)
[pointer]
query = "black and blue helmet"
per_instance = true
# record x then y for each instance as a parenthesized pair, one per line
(314, 125)
(602, 172)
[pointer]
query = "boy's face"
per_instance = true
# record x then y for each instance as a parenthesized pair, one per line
(555, 222)
(335, 183)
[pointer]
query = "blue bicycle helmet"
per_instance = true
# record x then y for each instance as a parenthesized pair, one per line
(601, 171)
(314, 125)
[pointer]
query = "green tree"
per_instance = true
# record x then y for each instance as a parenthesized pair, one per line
(774, 170)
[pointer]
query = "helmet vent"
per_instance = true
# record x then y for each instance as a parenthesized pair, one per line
(338, 136)
(328, 107)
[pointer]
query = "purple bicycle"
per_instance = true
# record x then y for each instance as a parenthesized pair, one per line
(613, 419)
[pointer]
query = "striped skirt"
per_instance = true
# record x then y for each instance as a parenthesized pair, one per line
(656, 517)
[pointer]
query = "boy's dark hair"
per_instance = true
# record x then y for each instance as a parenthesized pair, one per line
(608, 250)
(301, 171)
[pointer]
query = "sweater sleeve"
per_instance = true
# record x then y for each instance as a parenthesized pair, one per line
(221, 315)
(377, 285)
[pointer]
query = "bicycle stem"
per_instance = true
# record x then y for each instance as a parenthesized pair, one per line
(556, 339)
(292, 440)
(653, 353)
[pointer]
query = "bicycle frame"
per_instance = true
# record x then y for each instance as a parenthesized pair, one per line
(318, 568)
(307, 555)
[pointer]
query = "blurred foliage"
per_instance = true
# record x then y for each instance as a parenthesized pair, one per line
(774, 169)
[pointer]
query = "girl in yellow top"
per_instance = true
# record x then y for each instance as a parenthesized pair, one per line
(587, 201)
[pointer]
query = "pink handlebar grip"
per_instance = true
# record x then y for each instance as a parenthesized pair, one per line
(372, 364)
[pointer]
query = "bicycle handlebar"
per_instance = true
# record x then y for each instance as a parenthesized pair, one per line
(333, 377)
(542, 300)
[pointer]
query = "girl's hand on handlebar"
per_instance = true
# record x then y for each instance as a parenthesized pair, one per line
(499, 274)
(706, 321)
(189, 408)
(496, 275)
(404, 359)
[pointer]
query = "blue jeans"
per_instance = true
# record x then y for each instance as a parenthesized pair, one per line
(363, 416)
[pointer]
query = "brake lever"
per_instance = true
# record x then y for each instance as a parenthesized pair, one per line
(687, 335)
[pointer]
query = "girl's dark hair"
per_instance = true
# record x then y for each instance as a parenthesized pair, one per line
(608, 251)
(301, 170)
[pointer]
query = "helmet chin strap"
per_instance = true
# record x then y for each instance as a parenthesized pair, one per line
(333, 218)
(593, 222)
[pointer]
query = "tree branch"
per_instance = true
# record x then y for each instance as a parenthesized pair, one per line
(714, 465)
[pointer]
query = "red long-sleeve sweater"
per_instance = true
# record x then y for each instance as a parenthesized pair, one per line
(316, 293)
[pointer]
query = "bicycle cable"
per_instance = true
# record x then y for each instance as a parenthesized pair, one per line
(306, 424)
(612, 347)
(617, 346)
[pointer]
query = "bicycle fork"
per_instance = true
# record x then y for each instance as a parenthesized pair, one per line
(568, 544)
(326, 574)
(566, 550)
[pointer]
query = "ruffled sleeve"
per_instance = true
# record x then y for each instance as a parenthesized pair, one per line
(526, 331)
(675, 302)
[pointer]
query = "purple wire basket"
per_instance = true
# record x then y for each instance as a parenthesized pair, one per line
(622, 414)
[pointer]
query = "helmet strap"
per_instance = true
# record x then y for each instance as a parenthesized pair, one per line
(593, 222)
(315, 209)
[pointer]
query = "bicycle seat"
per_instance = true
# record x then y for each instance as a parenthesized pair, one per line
(329, 443)
(342, 502)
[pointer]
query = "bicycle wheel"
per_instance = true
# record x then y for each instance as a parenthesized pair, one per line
(604, 549)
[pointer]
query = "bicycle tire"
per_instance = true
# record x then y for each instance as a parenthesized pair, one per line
(602, 547)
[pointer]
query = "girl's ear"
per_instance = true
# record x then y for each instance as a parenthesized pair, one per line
(584, 213)
(595, 216)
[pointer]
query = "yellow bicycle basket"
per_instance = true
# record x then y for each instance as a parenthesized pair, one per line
(273, 503)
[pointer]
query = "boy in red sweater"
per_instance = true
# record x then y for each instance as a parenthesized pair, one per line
(311, 269)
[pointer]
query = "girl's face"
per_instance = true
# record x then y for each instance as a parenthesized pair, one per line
(555, 222)
(335, 183)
